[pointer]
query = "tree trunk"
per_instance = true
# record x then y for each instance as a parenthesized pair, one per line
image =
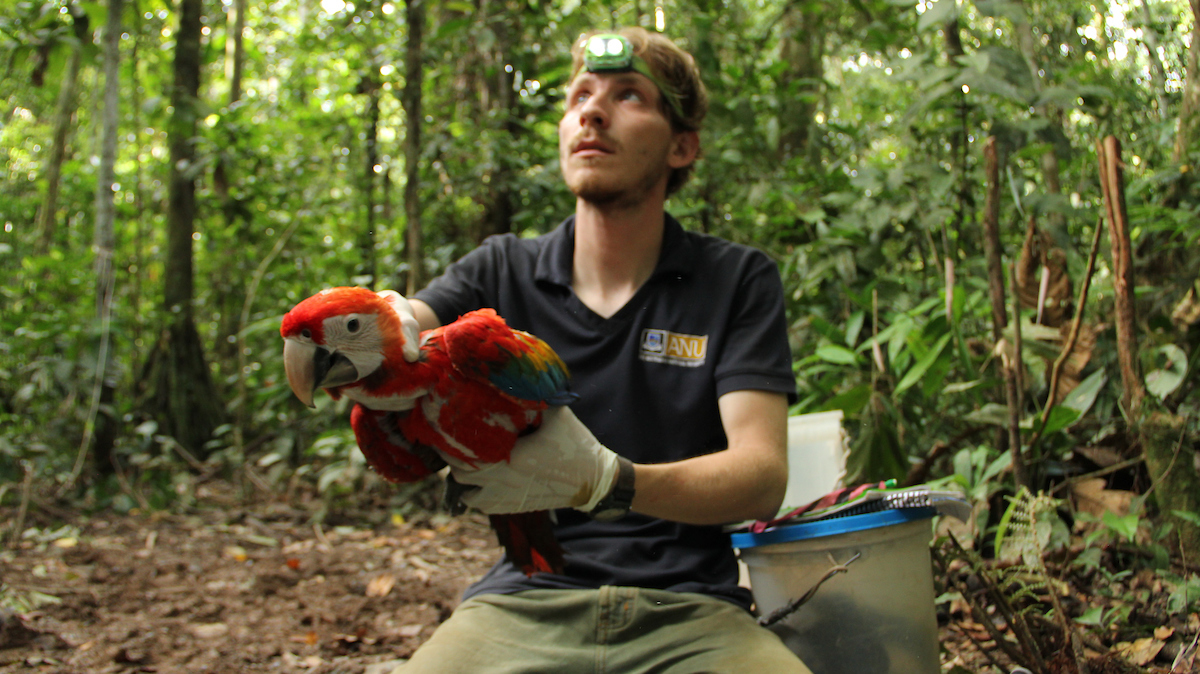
(64, 113)
(1008, 369)
(413, 77)
(140, 229)
(959, 149)
(1053, 134)
(366, 237)
(235, 49)
(1172, 468)
(228, 287)
(1189, 113)
(1158, 74)
(802, 48)
(105, 422)
(185, 401)
(500, 97)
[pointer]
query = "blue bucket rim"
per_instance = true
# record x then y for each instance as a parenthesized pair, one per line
(789, 533)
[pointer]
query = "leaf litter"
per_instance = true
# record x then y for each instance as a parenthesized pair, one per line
(261, 589)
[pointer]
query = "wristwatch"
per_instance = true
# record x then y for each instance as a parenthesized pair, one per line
(618, 501)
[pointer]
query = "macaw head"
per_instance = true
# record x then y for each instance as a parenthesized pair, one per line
(342, 335)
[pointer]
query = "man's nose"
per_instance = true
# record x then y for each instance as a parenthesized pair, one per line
(593, 113)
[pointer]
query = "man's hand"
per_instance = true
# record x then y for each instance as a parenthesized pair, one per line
(561, 465)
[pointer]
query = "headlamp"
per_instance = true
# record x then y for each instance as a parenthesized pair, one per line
(612, 53)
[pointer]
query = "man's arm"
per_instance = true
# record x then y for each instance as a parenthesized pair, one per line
(745, 481)
(426, 317)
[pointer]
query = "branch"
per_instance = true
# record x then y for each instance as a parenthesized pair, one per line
(1072, 337)
(251, 292)
(919, 472)
(1113, 185)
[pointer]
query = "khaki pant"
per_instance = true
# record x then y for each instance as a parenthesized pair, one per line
(613, 630)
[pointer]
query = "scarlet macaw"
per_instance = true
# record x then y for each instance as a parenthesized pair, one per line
(466, 391)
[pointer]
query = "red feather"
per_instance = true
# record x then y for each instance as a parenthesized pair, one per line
(476, 387)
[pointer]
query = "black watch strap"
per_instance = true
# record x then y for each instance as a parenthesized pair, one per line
(618, 501)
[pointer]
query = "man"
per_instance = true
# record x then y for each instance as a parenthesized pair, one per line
(677, 348)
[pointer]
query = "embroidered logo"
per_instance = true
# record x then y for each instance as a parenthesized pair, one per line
(673, 348)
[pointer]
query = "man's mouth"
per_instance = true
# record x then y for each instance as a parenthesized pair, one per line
(591, 148)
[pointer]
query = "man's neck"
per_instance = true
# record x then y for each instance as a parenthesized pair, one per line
(616, 251)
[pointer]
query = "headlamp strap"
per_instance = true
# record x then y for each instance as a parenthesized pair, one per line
(612, 53)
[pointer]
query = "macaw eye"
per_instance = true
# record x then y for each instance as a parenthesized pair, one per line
(306, 333)
(352, 325)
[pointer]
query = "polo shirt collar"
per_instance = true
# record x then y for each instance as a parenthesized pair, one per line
(556, 258)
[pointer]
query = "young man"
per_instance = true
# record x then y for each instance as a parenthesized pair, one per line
(677, 348)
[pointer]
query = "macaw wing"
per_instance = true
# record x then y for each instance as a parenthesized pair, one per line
(482, 346)
(395, 457)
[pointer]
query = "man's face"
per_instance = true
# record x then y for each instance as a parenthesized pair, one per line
(614, 142)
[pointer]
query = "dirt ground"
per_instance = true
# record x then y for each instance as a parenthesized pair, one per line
(261, 589)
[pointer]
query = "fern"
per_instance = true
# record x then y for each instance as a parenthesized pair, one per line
(1027, 526)
(1019, 591)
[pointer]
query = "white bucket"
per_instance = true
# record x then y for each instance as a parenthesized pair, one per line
(877, 617)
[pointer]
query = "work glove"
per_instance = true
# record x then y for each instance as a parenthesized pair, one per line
(561, 465)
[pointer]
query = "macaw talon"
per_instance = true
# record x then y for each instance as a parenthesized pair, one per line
(452, 497)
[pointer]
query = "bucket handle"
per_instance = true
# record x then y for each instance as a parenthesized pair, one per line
(794, 604)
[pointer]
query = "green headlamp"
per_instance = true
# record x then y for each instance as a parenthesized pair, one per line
(612, 53)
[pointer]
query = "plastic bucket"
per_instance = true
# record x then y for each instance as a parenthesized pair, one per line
(877, 617)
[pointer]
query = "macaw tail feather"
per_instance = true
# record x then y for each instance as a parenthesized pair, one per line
(529, 542)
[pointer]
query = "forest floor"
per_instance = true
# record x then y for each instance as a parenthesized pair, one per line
(259, 588)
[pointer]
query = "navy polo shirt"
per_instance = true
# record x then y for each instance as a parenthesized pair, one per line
(710, 320)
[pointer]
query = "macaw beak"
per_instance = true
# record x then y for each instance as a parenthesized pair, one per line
(310, 367)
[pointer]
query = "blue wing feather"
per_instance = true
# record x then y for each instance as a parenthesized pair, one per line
(481, 345)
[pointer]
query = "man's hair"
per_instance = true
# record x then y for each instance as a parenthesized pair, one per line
(676, 70)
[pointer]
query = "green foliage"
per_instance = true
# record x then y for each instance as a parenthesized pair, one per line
(860, 171)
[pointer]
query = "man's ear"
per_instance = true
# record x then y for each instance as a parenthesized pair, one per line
(685, 145)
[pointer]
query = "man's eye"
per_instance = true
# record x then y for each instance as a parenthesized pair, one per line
(633, 95)
(581, 97)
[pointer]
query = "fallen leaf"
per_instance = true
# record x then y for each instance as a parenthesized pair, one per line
(1101, 456)
(1187, 311)
(236, 552)
(1164, 633)
(293, 563)
(410, 630)
(380, 585)
(1041, 262)
(210, 630)
(1140, 652)
(308, 638)
(421, 564)
(68, 542)
(1092, 497)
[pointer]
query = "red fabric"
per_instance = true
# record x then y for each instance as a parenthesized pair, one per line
(831, 499)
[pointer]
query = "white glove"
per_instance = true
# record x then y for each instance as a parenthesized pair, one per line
(408, 323)
(561, 465)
